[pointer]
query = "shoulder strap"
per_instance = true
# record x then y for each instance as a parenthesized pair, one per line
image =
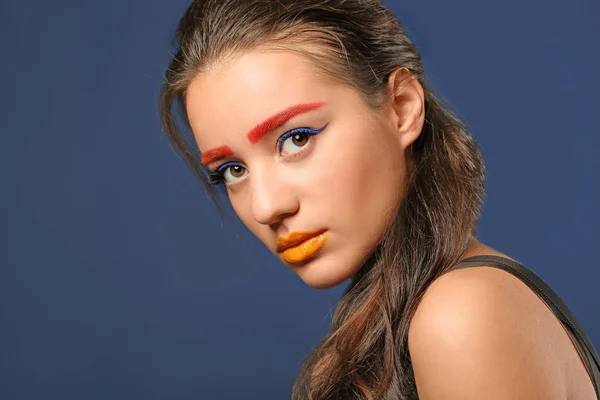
(555, 303)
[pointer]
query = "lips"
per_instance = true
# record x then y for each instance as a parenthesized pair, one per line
(301, 245)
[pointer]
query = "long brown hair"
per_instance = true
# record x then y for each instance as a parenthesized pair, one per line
(358, 43)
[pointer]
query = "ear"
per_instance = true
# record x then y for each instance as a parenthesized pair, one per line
(407, 105)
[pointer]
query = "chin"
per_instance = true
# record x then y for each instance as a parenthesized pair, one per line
(321, 273)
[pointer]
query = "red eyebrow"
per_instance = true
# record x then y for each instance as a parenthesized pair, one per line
(216, 153)
(279, 119)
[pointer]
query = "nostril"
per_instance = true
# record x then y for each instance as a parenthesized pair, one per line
(275, 226)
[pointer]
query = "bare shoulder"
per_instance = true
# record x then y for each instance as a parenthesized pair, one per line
(481, 331)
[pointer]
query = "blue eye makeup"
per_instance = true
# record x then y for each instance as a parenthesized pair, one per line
(292, 142)
(298, 134)
(226, 172)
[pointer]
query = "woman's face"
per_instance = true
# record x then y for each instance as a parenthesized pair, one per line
(309, 168)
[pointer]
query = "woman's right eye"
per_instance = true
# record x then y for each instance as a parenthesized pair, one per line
(231, 172)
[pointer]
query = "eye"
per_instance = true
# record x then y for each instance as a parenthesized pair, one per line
(293, 141)
(234, 172)
(229, 172)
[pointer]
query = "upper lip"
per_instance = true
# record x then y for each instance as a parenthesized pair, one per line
(294, 238)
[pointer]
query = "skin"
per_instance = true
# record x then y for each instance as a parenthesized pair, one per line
(482, 330)
(478, 330)
(348, 177)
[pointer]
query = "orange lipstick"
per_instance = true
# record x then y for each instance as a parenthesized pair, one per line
(300, 246)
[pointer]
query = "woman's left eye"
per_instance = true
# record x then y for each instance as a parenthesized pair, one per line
(294, 143)
(294, 140)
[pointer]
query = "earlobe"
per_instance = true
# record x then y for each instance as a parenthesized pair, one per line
(407, 100)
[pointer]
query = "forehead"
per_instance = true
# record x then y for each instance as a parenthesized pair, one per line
(235, 95)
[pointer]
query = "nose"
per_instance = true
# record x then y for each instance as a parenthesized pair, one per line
(272, 197)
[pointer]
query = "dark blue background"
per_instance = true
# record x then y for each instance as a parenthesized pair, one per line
(119, 280)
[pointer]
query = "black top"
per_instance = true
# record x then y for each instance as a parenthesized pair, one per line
(582, 342)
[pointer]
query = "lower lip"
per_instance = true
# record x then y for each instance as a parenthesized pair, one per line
(304, 250)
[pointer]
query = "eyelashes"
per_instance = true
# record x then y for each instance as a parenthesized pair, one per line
(297, 132)
(297, 138)
(219, 177)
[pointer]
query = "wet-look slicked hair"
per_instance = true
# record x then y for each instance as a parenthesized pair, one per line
(356, 43)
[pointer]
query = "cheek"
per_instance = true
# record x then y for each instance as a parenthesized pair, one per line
(241, 202)
(242, 205)
(363, 177)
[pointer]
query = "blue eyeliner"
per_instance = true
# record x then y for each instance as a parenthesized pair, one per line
(288, 134)
(225, 165)
(217, 177)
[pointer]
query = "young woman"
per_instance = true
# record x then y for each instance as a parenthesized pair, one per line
(316, 117)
